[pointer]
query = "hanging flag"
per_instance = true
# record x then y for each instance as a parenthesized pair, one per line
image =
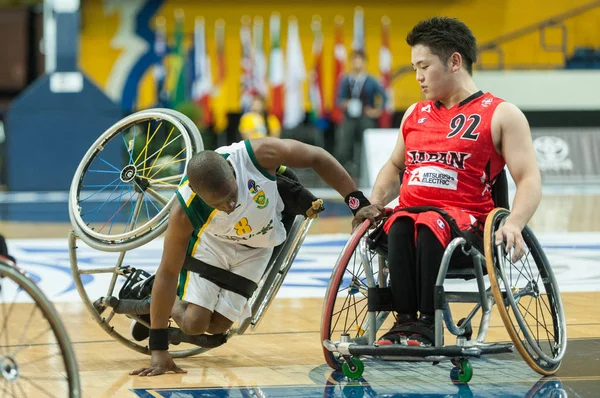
(358, 40)
(317, 112)
(175, 73)
(385, 70)
(276, 68)
(294, 112)
(247, 77)
(202, 78)
(175, 78)
(339, 57)
(259, 69)
(219, 97)
(160, 52)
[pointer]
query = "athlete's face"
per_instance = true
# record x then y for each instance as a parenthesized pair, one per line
(223, 198)
(433, 75)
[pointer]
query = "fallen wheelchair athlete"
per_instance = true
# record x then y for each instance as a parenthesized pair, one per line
(221, 235)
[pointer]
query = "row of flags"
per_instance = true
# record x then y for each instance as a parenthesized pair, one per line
(185, 74)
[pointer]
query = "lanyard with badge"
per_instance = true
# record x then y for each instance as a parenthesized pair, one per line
(355, 105)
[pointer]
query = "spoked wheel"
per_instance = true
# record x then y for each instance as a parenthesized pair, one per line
(36, 356)
(528, 298)
(345, 310)
(117, 325)
(119, 200)
(125, 184)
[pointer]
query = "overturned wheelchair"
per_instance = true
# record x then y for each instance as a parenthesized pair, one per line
(119, 200)
(526, 294)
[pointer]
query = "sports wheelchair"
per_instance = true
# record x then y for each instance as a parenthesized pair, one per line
(527, 294)
(119, 200)
(37, 355)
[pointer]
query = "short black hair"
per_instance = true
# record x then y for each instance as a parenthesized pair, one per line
(358, 53)
(445, 36)
(208, 170)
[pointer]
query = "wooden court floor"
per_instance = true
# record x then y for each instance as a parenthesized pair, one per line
(285, 349)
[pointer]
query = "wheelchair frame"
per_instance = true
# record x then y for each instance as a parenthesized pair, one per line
(9, 365)
(351, 349)
(268, 286)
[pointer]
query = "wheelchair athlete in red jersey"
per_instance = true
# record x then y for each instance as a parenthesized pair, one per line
(450, 149)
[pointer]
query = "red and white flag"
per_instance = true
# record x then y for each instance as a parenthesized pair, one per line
(276, 67)
(219, 93)
(317, 113)
(339, 62)
(202, 86)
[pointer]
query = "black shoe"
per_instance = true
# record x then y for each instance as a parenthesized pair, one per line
(411, 332)
(137, 286)
(395, 334)
(138, 331)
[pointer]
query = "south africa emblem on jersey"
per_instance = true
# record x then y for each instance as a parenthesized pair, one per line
(259, 196)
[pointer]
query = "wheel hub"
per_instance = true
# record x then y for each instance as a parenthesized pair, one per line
(353, 285)
(128, 173)
(9, 368)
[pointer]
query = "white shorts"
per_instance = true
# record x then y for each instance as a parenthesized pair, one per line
(247, 262)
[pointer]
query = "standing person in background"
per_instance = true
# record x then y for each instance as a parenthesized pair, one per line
(357, 96)
(257, 123)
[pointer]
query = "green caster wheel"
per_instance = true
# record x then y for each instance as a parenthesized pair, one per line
(359, 368)
(353, 391)
(462, 373)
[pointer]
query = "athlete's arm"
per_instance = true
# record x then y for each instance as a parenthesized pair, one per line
(516, 147)
(387, 183)
(273, 152)
(176, 242)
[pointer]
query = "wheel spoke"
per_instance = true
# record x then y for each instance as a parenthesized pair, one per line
(158, 196)
(145, 148)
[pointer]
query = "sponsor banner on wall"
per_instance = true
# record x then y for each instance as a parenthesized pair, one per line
(564, 154)
(568, 154)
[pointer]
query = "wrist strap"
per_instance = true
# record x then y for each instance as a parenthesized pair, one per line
(159, 339)
(356, 200)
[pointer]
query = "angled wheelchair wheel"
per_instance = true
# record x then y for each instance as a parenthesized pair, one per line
(36, 355)
(345, 311)
(528, 298)
(109, 271)
(124, 186)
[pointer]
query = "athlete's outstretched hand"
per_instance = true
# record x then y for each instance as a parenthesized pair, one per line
(161, 362)
(373, 213)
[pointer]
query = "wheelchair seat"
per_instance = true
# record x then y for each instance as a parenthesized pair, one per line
(461, 265)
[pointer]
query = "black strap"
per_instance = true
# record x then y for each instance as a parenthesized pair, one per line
(221, 277)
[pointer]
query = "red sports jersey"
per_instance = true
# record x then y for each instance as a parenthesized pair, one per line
(451, 162)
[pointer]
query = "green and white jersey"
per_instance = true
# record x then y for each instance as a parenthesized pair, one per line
(255, 222)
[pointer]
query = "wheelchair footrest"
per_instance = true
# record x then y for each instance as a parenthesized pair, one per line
(123, 306)
(398, 350)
